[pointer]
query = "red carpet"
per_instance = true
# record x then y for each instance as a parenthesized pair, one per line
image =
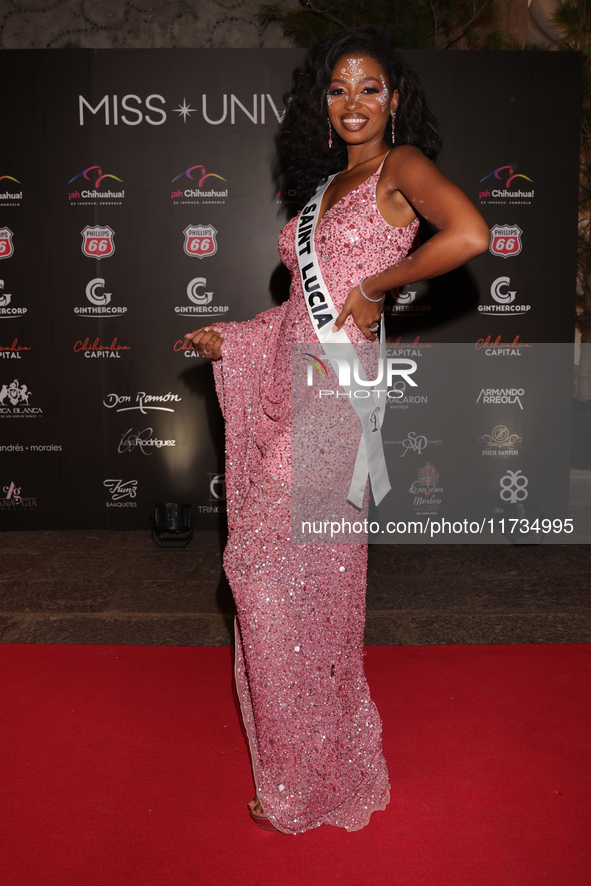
(126, 766)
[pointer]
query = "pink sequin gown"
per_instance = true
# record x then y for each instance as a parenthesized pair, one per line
(314, 732)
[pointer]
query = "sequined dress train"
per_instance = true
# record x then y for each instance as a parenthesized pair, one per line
(314, 731)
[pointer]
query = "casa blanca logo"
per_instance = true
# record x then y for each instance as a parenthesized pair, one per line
(513, 487)
(14, 393)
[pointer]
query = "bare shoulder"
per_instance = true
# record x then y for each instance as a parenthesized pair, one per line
(406, 160)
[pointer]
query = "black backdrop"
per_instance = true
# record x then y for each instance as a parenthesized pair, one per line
(138, 199)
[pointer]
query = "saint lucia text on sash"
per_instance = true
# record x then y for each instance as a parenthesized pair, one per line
(337, 345)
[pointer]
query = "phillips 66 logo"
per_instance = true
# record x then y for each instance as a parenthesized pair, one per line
(505, 240)
(98, 242)
(6, 247)
(200, 240)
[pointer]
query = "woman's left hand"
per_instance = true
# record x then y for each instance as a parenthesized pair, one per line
(365, 313)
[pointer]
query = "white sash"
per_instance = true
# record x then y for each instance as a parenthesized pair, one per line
(337, 345)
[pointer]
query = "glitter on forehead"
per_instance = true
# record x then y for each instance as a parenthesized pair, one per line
(353, 71)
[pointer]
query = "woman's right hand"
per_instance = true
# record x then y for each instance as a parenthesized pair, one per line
(207, 341)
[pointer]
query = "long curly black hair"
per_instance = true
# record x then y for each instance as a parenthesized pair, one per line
(305, 154)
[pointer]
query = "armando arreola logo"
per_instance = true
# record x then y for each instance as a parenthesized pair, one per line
(99, 301)
(504, 300)
(500, 396)
(201, 300)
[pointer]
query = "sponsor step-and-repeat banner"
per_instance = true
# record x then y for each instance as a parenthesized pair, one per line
(140, 199)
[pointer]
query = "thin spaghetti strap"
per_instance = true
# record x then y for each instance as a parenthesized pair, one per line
(379, 169)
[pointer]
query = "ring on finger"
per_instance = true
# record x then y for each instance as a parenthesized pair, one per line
(207, 353)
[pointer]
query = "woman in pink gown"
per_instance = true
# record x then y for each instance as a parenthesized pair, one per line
(314, 731)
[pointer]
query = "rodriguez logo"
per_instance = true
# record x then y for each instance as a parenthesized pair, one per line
(143, 441)
(505, 240)
(14, 400)
(200, 241)
(504, 300)
(188, 194)
(201, 300)
(95, 196)
(99, 300)
(121, 490)
(6, 246)
(98, 242)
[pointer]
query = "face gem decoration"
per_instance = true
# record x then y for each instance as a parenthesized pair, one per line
(353, 70)
(383, 97)
(329, 99)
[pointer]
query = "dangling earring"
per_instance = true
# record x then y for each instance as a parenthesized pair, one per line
(329, 135)
(393, 115)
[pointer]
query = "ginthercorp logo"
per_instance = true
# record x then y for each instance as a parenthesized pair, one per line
(6, 311)
(99, 301)
(200, 241)
(93, 187)
(513, 487)
(501, 396)
(504, 299)
(15, 401)
(404, 303)
(217, 495)
(142, 402)
(9, 194)
(15, 500)
(426, 490)
(6, 245)
(505, 240)
(414, 442)
(201, 300)
(389, 369)
(500, 442)
(197, 191)
(123, 493)
(504, 185)
(97, 242)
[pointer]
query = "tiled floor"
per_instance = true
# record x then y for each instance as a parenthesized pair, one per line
(118, 587)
